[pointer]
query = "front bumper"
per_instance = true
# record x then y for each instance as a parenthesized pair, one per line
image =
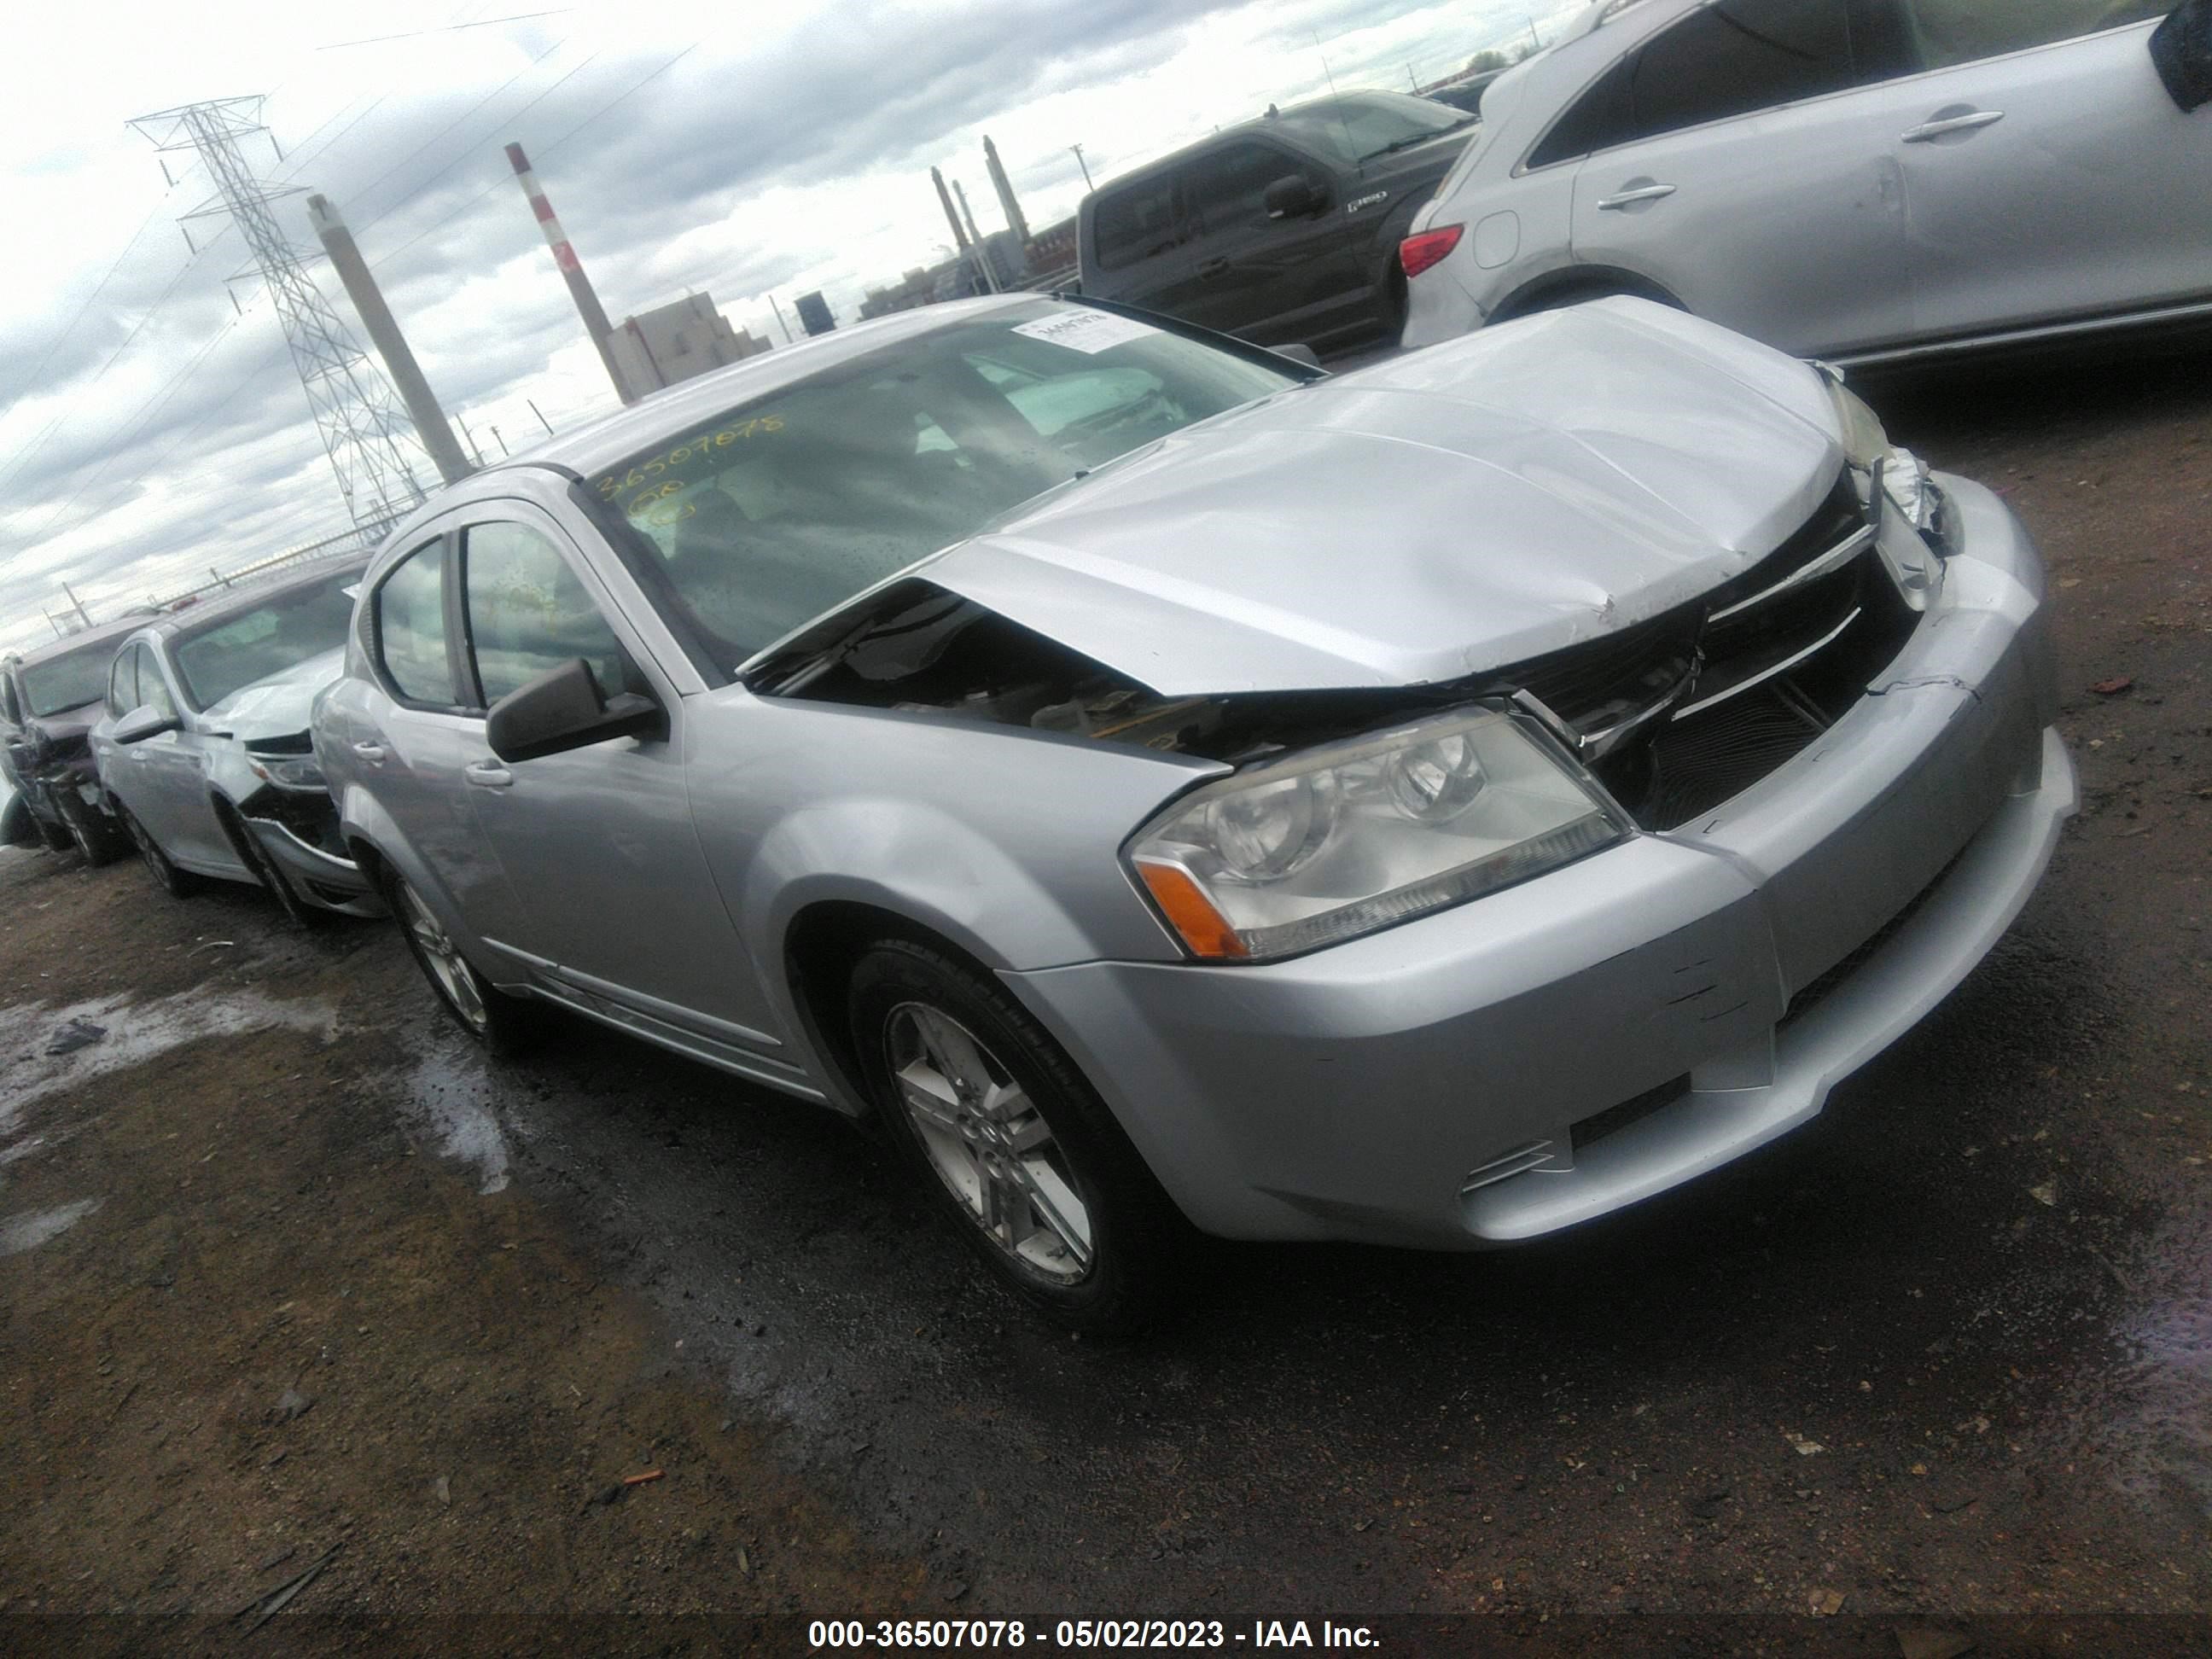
(320, 878)
(1556, 1051)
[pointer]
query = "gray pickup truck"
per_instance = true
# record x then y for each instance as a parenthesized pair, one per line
(1282, 230)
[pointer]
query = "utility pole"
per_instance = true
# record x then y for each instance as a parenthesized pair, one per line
(77, 604)
(579, 286)
(779, 323)
(376, 317)
(540, 414)
(1535, 40)
(1085, 164)
(364, 431)
(1009, 204)
(475, 448)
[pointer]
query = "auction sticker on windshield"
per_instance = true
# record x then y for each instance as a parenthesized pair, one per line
(1088, 332)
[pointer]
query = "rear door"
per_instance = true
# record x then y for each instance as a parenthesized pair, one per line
(1742, 159)
(599, 841)
(2047, 174)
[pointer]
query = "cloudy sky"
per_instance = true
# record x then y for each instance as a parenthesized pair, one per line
(151, 424)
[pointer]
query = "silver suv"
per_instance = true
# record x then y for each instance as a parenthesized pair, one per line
(1858, 179)
(1436, 804)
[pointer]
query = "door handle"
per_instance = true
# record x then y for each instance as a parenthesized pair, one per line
(1213, 268)
(1948, 123)
(1630, 198)
(370, 753)
(489, 775)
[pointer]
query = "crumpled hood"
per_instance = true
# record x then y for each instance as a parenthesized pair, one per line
(278, 705)
(1450, 511)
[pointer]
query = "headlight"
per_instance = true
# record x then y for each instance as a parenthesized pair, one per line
(1335, 842)
(1907, 513)
(288, 771)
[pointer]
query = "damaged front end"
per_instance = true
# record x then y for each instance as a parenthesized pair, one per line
(293, 824)
(1672, 715)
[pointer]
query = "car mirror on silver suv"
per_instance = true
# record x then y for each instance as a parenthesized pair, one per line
(563, 709)
(143, 722)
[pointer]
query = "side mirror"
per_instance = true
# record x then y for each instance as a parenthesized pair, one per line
(1293, 195)
(2181, 50)
(143, 722)
(561, 709)
(1298, 354)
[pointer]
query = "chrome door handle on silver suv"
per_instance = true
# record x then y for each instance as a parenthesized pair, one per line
(489, 775)
(1943, 125)
(1631, 196)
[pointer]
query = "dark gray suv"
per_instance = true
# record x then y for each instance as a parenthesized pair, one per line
(1284, 230)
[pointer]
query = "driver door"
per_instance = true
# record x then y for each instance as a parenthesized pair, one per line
(616, 898)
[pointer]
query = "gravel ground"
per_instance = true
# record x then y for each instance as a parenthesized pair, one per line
(1949, 1349)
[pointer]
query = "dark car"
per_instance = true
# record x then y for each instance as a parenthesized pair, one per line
(49, 700)
(1284, 230)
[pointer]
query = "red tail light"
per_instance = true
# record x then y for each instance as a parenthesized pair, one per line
(1418, 253)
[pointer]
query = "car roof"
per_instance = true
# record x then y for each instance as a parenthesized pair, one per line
(585, 449)
(255, 593)
(1256, 123)
(101, 634)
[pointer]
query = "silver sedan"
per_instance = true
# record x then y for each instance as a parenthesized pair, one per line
(1866, 180)
(1170, 786)
(203, 751)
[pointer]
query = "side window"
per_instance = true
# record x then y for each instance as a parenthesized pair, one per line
(1960, 31)
(152, 688)
(1138, 221)
(1227, 188)
(1731, 58)
(410, 627)
(123, 683)
(8, 710)
(528, 612)
(1737, 57)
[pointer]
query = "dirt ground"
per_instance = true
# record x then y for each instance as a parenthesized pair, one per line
(285, 1271)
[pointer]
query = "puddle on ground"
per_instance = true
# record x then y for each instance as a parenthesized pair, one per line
(2148, 1415)
(448, 1091)
(136, 1033)
(19, 1233)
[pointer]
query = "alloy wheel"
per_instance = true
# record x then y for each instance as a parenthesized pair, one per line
(448, 969)
(989, 1144)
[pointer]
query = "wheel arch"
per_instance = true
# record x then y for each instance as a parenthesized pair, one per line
(1573, 285)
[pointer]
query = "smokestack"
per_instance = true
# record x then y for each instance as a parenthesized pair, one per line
(406, 374)
(959, 236)
(1007, 204)
(982, 254)
(579, 286)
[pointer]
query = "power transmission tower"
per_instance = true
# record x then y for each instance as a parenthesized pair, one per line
(366, 433)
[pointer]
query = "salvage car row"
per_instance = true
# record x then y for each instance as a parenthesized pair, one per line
(1166, 785)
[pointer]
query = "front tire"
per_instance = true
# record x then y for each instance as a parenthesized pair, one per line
(177, 883)
(95, 842)
(504, 1024)
(1013, 1145)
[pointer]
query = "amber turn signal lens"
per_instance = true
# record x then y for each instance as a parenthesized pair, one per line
(1189, 912)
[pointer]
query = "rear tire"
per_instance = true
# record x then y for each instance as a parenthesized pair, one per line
(505, 1025)
(1014, 1147)
(177, 883)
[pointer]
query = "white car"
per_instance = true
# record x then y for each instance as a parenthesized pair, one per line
(1865, 180)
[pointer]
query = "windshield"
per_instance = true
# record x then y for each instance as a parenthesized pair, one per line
(252, 645)
(1362, 125)
(67, 682)
(753, 523)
